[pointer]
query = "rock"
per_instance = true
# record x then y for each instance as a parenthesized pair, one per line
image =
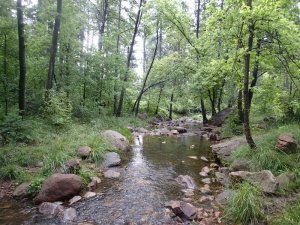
(69, 214)
(224, 197)
(219, 118)
(286, 143)
(240, 165)
(263, 179)
(224, 149)
(214, 165)
(186, 181)
(207, 129)
(188, 192)
(89, 194)
(117, 140)
(205, 169)
(213, 137)
(192, 157)
(50, 209)
(283, 180)
(206, 189)
(94, 182)
(71, 166)
(74, 199)
(111, 159)
(206, 198)
(204, 159)
(182, 209)
(111, 174)
(222, 179)
(206, 181)
(84, 151)
(203, 174)
(181, 130)
(224, 170)
(59, 187)
(22, 190)
(142, 130)
(174, 132)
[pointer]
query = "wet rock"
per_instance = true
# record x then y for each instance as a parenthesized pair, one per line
(214, 165)
(186, 181)
(50, 209)
(181, 130)
(204, 159)
(75, 199)
(206, 198)
(182, 209)
(224, 149)
(188, 192)
(117, 140)
(111, 159)
(84, 151)
(111, 174)
(203, 174)
(224, 197)
(206, 189)
(240, 165)
(287, 143)
(69, 214)
(206, 181)
(89, 194)
(94, 182)
(222, 179)
(71, 166)
(263, 179)
(22, 190)
(192, 157)
(213, 137)
(59, 187)
(205, 169)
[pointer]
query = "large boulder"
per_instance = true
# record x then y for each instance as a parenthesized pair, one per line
(263, 179)
(287, 143)
(117, 140)
(186, 181)
(59, 187)
(111, 159)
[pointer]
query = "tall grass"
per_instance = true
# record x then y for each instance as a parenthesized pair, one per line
(290, 216)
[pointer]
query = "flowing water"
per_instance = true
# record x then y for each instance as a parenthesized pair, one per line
(147, 182)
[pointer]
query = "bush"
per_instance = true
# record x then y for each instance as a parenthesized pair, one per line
(246, 205)
(232, 125)
(36, 185)
(58, 108)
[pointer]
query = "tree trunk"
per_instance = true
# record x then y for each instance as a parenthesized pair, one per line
(53, 49)
(22, 63)
(102, 18)
(136, 27)
(221, 95)
(171, 105)
(212, 98)
(203, 111)
(247, 58)
(240, 107)
(158, 101)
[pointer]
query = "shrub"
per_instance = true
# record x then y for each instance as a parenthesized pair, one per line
(36, 185)
(246, 205)
(232, 125)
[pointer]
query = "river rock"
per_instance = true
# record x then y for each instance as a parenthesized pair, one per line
(111, 174)
(181, 130)
(263, 179)
(174, 132)
(206, 190)
(204, 159)
(111, 159)
(117, 140)
(84, 151)
(59, 187)
(75, 199)
(89, 194)
(219, 118)
(206, 181)
(69, 214)
(182, 209)
(22, 190)
(240, 165)
(287, 143)
(186, 181)
(71, 166)
(188, 192)
(94, 182)
(284, 180)
(224, 197)
(222, 179)
(50, 209)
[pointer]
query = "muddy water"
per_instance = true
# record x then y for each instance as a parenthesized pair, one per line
(146, 183)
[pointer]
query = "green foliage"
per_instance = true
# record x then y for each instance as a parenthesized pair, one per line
(290, 216)
(36, 185)
(232, 125)
(86, 175)
(13, 172)
(58, 108)
(54, 161)
(246, 205)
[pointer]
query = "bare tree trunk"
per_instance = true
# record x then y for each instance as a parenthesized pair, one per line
(221, 95)
(22, 62)
(171, 105)
(158, 101)
(102, 18)
(247, 58)
(4, 81)
(240, 106)
(212, 98)
(136, 27)
(53, 49)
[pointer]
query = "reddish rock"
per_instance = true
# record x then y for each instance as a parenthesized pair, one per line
(286, 143)
(182, 209)
(71, 166)
(59, 187)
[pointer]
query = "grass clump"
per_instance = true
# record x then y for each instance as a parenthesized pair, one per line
(246, 205)
(13, 172)
(290, 216)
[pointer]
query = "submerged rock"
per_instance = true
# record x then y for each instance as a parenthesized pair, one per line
(117, 140)
(94, 182)
(111, 174)
(186, 181)
(263, 179)
(59, 187)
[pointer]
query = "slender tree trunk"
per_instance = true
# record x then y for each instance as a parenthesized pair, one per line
(136, 27)
(22, 63)
(212, 98)
(171, 105)
(221, 95)
(5, 74)
(136, 108)
(247, 58)
(101, 23)
(53, 49)
(158, 101)
(240, 106)
(203, 111)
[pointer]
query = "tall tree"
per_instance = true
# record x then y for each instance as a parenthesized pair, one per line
(53, 49)
(22, 62)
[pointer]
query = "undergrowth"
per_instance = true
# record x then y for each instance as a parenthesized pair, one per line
(290, 216)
